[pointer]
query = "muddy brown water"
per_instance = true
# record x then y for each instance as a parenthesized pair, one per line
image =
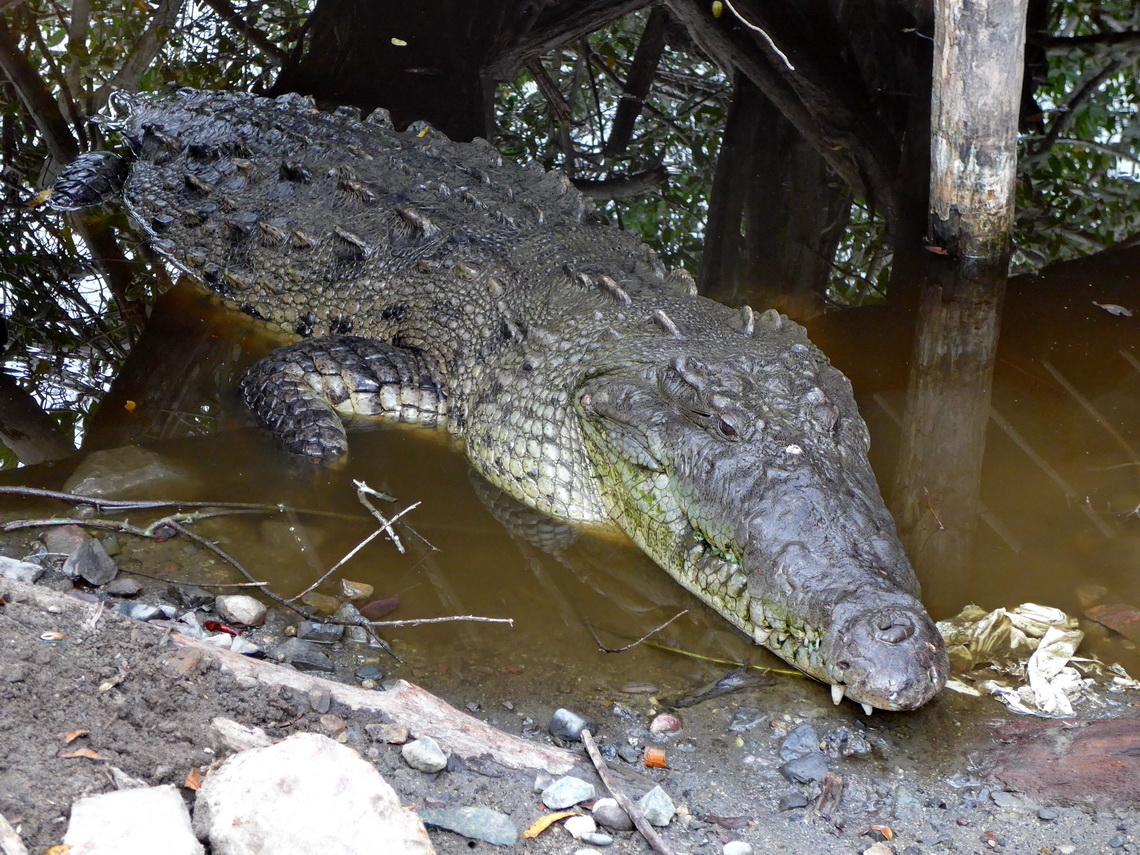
(1061, 488)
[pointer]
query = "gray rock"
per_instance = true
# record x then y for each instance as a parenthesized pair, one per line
(123, 781)
(609, 814)
(240, 609)
(92, 563)
(304, 794)
(64, 539)
(569, 725)
(350, 614)
(803, 740)
(189, 596)
(792, 801)
(369, 672)
(241, 645)
(1006, 800)
(21, 571)
(118, 470)
(567, 792)
(320, 633)
(132, 822)
(1047, 814)
(577, 826)
(303, 655)
(657, 807)
(737, 847)
(596, 838)
(139, 611)
(628, 753)
(425, 755)
(239, 737)
(805, 770)
(122, 587)
(476, 823)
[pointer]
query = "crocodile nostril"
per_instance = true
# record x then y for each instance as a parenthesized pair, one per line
(893, 628)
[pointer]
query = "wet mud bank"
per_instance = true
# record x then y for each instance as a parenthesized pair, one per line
(90, 698)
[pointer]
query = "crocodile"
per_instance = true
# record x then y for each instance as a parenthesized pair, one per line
(434, 282)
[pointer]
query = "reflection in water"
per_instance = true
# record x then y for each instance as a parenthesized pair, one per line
(1059, 494)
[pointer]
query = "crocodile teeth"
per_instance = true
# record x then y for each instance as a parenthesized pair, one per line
(868, 709)
(837, 694)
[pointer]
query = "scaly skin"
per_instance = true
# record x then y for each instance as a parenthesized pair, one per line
(580, 376)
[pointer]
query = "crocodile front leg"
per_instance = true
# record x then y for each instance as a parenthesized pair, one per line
(302, 391)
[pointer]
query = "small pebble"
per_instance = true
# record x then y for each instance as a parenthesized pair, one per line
(424, 755)
(355, 590)
(123, 587)
(596, 838)
(805, 770)
(393, 734)
(1117, 841)
(1047, 814)
(567, 792)
(664, 724)
(638, 689)
(737, 847)
(580, 825)
(320, 633)
(800, 742)
(241, 609)
(629, 753)
(792, 801)
(369, 672)
(657, 807)
(609, 814)
(569, 725)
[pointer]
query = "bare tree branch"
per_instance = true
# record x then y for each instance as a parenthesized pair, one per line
(637, 83)
(1129, 40)
(145, 50)
(252, 34)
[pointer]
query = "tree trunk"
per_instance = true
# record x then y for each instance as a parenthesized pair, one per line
(778, 214)
(977, 86)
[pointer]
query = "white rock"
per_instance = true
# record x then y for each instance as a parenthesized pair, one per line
(306, 795)
(425, 755)
(241, 609)
(737, 847)
(132, 822)
(579, 825)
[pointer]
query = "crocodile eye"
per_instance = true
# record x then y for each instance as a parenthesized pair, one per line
(728, 426)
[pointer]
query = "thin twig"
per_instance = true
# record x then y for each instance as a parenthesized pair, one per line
(605, 649)
(197, 584)
(362, 493)
(714, 660)
(340, 563)
(104, 504)
(449, 619)
(639, 821)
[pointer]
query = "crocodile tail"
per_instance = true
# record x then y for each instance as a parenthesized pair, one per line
(90, 180)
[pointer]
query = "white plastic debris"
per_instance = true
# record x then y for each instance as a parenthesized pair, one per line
(1030, 656)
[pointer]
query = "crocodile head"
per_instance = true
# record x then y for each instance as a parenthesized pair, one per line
(747, 478)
